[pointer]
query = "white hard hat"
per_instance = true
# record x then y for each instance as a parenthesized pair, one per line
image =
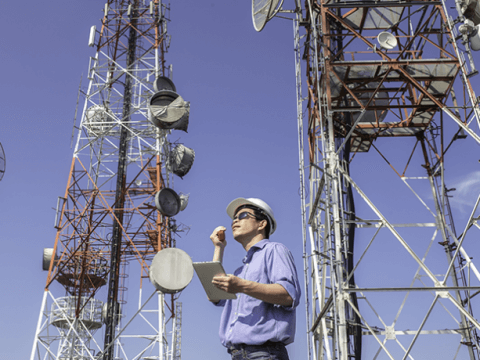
(260, 204)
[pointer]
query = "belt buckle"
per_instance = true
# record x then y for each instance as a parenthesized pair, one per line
(234, 348)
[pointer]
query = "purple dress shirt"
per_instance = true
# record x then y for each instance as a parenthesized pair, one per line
(246, 320)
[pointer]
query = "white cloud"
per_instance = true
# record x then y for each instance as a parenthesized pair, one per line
(466, 193)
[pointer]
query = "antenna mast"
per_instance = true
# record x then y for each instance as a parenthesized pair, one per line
(388, 86)
(110, 223)
(385, 83)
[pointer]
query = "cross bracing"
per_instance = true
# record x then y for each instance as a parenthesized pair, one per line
(108, 228)
(390, 271)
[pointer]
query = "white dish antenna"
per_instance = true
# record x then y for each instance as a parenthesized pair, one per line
(171, 270)
(2, 162)
(387, 41)
(263, 11)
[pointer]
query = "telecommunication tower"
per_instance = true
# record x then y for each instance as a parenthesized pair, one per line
(115, 225)
(385, 94)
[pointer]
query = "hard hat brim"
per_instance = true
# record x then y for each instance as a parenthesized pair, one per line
(235, 204)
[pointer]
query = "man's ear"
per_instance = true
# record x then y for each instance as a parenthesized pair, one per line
(263, 224)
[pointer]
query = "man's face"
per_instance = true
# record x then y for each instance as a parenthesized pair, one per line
(246, 227)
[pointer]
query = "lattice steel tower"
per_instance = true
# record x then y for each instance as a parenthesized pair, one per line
(108, 223)
(385, 96)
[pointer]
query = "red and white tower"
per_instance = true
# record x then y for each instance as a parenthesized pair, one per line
(109, 224)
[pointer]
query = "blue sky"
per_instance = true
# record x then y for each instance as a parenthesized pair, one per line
(241, 87)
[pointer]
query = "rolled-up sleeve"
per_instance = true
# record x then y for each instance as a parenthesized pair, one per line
(281, 270)
(247, 320)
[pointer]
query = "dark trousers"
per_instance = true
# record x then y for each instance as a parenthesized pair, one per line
(268, 351)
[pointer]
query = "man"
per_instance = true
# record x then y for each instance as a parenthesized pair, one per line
(261, 320)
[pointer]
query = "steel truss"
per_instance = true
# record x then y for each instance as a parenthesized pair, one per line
(107, 225)
(377, 281)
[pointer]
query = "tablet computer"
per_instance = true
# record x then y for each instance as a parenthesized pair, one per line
(206, 271)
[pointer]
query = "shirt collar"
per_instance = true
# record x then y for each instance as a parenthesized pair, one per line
(254, 248)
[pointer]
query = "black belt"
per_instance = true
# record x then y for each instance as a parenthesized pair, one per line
(255, 347)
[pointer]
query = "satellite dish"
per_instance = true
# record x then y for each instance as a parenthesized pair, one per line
(168, 110)
(263, 11)
(180, 160)
(387, 40)
(164, 83)
(168, 202)
(171, 270)
(183, 201)
(2, 162)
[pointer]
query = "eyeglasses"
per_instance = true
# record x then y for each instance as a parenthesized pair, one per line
(243, 215)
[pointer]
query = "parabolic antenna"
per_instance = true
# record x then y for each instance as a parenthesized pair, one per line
(387, 41)
(163, 83)
(180, 160)
(168, 202)
(183, 201)
(168, 110)
(263, 11)
(171, 270)
(2, 162)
